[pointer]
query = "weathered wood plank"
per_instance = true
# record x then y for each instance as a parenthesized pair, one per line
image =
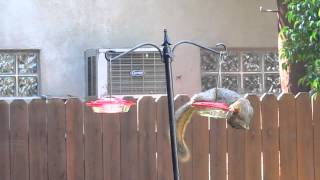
(93, 145)
(111, 146)
(316, 121)
(163, 141)
(236, 153)
(56, 115)
(304, 137)
(4, 141)
(186, 167)
(253, 143)
(218, 149)
(38, 146)
(288, 137)
(129, 145)
(147, 138)
(200, 147)
(19, 140)
(270, 137)
(75, 144)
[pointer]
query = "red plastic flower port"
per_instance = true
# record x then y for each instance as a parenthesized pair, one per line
(215, 110)
(110, 105)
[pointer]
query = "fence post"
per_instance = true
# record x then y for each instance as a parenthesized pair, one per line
(147, 138)
(56, 140)
(4, 141)
(129, 145)
(186, 168)
(93, 145)
(253, 142)
(111, 146)
(19, 140)
(305, 137)
(270, 137)
(38, 148)
(288, 137)
(164, 166)
(75, 144)
(316, 122)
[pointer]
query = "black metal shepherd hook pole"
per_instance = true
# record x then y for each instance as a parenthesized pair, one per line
(167, 58)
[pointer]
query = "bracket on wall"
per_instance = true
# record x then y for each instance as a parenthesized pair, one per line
(263, 10)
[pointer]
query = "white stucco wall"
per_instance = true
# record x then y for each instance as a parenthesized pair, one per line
(63, 29)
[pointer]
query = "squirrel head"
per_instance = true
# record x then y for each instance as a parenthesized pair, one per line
(241, 113)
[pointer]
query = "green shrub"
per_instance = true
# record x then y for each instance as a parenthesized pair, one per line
(302, 39)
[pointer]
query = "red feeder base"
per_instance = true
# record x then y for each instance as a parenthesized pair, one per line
(214, 110)
(110, 105)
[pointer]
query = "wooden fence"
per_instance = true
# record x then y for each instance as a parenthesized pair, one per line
(59, 140)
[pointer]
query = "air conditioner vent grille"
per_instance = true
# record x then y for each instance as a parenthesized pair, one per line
(149, 77)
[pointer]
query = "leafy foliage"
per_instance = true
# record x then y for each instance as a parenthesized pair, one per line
(302, 39)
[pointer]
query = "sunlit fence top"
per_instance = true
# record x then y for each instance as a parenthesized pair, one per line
(65, 140)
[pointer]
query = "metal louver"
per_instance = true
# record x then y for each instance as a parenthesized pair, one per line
(140, 72)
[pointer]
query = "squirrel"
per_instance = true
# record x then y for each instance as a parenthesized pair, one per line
(239, 115)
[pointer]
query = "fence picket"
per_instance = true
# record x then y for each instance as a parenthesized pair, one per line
(253, 143)
(316, 121)
(19, 140)
(304, 137)
(200, 147)
(236, 153)
(57, 167)
(129, 145)
(288, 138)
(147, 138)
(38, 146)
(270, 137)
(218, 149)
(186, 168)
(4, 141)
(164, 166)
(111, 146)
(75, 145)
(93, 145)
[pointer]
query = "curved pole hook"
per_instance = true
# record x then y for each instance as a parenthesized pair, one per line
(201, 46)
(223, 46)
(131, 50)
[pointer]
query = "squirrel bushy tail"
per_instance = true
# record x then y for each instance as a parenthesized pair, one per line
(183, 117)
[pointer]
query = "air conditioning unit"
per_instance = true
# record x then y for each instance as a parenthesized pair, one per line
(140, 72)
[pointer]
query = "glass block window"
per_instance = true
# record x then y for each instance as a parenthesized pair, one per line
(244, 71)
(19, 73)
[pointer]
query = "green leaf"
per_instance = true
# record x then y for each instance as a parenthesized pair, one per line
(315, 95)
(313, 36)
(296, 24)
(290, 16)
(315, 84)
(319, 13)
(284, 30)
(302, 80)
(284, 66)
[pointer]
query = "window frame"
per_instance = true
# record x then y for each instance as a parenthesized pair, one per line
(16, 74)
(242, 73)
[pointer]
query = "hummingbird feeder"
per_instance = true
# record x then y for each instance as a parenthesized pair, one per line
(110, 104)
(214, 110)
